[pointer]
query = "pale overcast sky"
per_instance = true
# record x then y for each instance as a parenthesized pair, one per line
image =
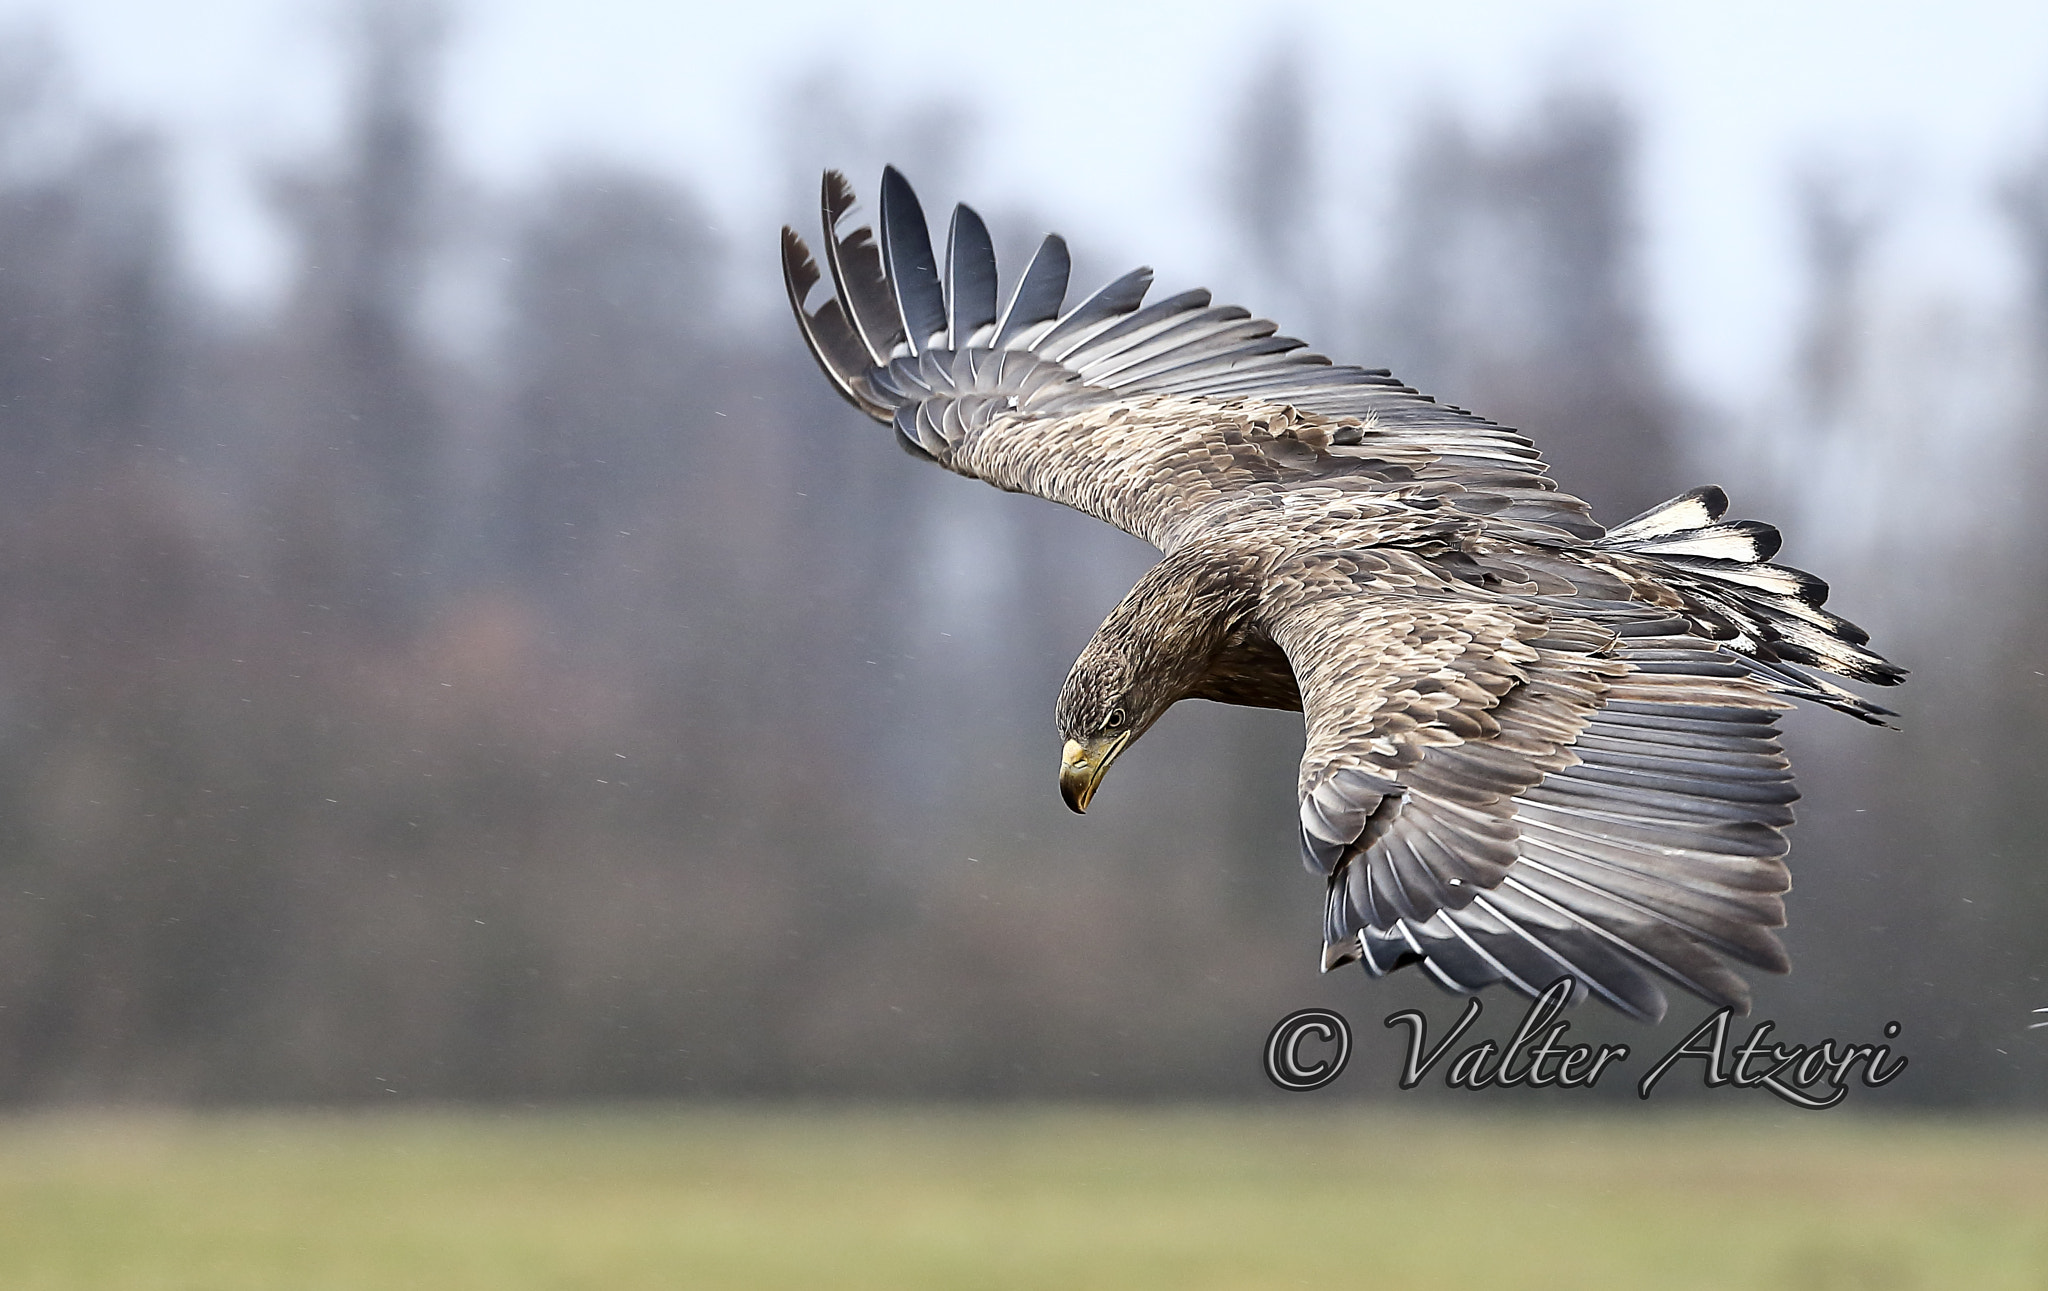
(1103, 111)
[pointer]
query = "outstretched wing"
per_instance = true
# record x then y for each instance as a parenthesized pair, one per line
(1510, 794)
(1155, 418)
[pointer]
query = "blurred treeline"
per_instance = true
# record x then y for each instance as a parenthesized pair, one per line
(504, 669)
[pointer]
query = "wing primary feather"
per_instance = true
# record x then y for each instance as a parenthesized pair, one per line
(1444, 977)
(970, 278)
(857, 274)
(1507, 974)
(913, 270)
(1132, 329)
(1040, 292)
(1585, 977)
(1198, 336)
(1080, 323)
(1728, 989)
(833, 342)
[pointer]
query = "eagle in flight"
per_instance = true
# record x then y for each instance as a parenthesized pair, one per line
(1536, 748)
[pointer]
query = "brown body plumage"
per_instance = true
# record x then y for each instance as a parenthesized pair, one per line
(1536, 747)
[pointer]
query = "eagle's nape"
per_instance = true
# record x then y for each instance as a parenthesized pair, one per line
(1536, 746)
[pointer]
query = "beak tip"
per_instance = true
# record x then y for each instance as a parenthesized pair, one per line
(1080, 772)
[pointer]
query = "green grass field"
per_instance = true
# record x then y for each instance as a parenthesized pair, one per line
(704, 1197)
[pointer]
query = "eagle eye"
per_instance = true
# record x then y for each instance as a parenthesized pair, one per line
(1116, 720)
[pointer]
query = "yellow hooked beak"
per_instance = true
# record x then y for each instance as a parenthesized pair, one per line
(1082, 766)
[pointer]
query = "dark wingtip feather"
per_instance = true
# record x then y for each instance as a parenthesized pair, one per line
(1113, 300)
(857, 274)
(800, 270)
(1040, 292)
(913, 269)
(970, 277)
(830, 336)
(835, 199)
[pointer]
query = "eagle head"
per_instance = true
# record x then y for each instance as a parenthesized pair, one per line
(1154, 650)
(1103, 708)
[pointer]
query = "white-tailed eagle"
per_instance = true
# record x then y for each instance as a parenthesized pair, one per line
(1537, 747)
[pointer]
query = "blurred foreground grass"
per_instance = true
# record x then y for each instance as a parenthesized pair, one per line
(1059, 1198)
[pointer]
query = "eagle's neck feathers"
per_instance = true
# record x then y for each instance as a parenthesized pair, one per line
(1165, 641)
